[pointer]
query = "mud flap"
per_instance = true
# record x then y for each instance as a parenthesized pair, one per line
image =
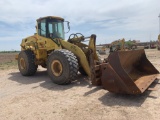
(128, 72)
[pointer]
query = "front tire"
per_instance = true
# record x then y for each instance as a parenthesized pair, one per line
(26, 63)
(62, 66)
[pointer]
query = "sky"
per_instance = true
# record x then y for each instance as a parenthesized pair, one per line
(108, 19)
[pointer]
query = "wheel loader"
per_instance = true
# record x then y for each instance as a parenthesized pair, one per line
(128, 72)
(121, 44)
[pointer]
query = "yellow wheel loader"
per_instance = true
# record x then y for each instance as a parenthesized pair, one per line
(124, 71)
(121, 44)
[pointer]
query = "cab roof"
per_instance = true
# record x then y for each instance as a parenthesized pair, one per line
(53, 17)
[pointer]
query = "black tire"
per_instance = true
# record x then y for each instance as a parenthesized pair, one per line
(26, 63)
(134, 47)
(68, 69)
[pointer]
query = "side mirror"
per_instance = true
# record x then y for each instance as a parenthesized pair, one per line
(68, 26)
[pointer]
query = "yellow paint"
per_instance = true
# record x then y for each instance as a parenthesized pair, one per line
(93, 47)
(79, 53)
(41, 54)
(38, 43)
(119, 43)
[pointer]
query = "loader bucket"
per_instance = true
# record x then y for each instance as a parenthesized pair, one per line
(128, 72)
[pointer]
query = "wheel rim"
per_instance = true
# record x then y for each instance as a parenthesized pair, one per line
(56, 68)
(22, 64)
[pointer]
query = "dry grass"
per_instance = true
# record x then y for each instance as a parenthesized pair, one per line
(7, 61)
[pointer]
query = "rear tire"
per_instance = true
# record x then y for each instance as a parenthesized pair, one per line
(62, 66)
(26, 63)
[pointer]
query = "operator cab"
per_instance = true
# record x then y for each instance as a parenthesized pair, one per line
(51, 27)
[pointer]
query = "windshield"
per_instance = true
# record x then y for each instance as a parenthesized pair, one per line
(55, 29)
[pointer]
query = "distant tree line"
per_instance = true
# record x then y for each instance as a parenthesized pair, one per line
(13, 51)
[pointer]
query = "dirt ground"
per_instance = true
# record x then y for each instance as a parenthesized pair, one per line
(7, 60)
(37, 98)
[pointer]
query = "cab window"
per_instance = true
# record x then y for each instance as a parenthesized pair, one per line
(42, 28)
